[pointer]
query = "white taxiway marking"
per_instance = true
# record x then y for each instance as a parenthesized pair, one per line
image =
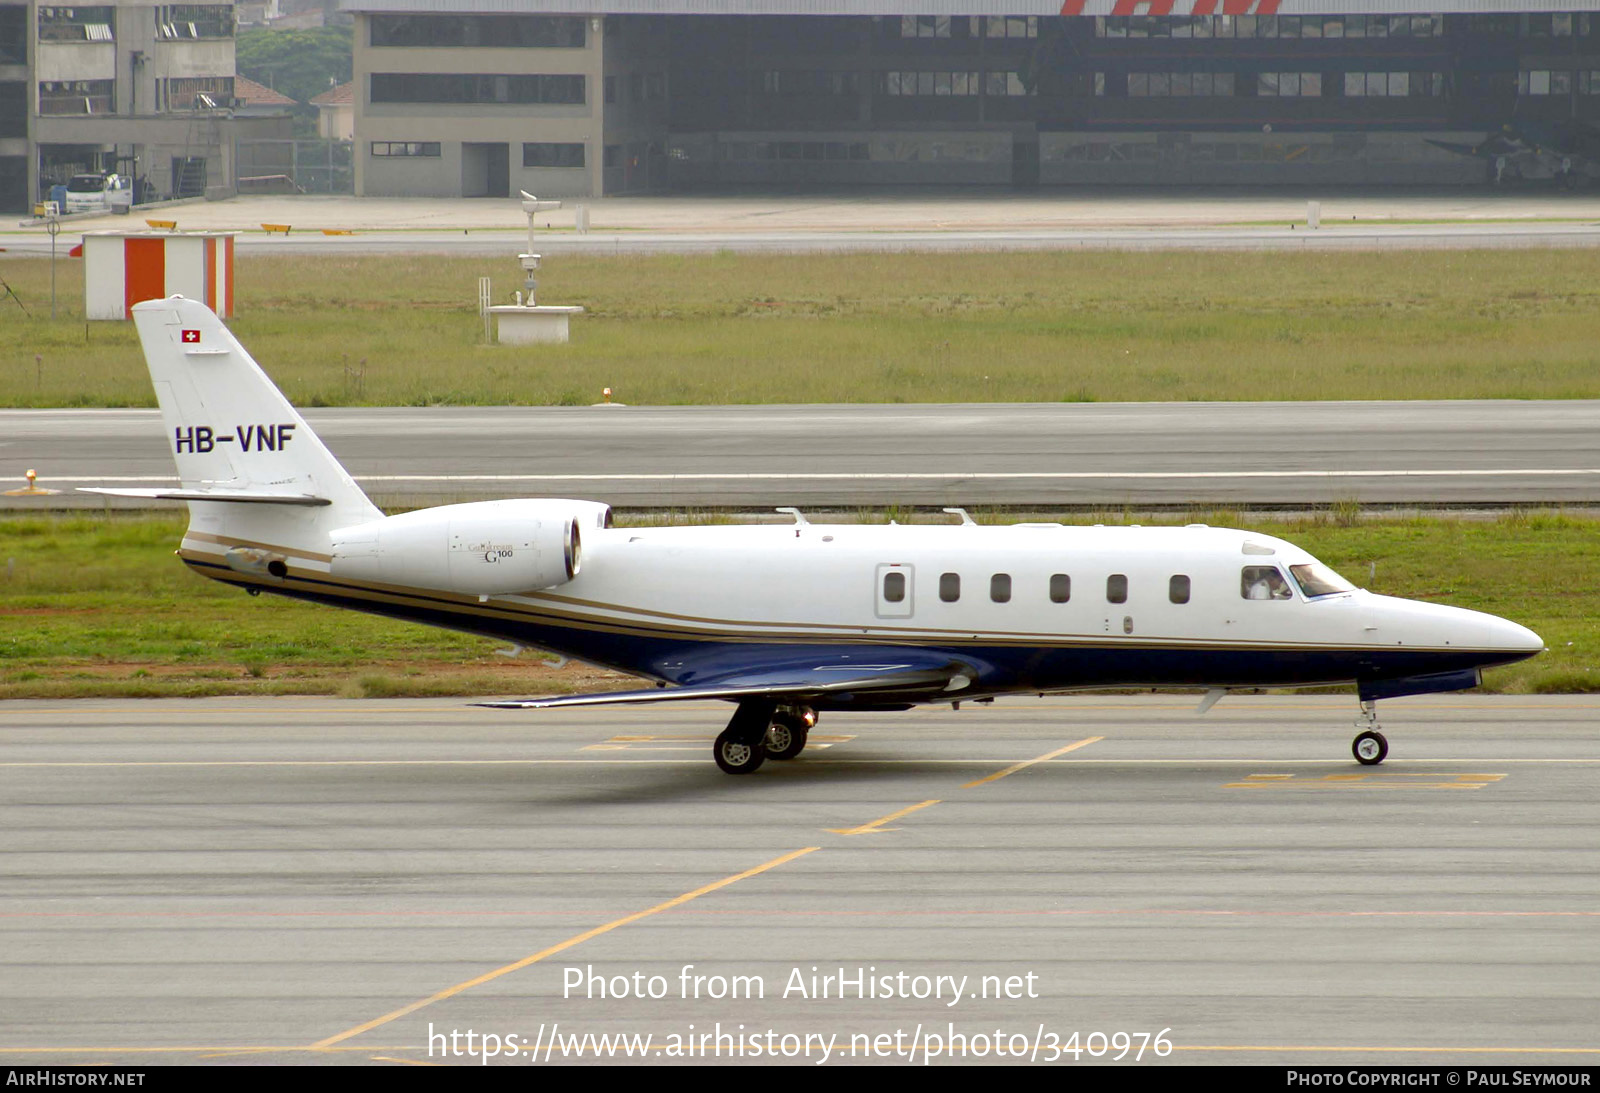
(1548, 472)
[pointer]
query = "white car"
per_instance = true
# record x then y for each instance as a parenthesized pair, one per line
(98, 193)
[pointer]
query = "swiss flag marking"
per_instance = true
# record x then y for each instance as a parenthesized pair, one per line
(192, 336)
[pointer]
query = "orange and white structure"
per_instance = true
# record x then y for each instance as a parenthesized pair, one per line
(123, 268)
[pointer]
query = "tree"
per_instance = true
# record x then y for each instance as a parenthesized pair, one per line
(301, 64)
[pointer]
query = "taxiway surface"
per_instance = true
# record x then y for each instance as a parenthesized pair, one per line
(314, 880)
(1259, 453)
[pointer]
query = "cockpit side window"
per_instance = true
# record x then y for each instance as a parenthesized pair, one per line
(1263, 582)
(1317, 579)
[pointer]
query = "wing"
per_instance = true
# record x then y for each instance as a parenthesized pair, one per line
(911, 678)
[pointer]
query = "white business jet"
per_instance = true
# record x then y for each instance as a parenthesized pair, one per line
(783, 620)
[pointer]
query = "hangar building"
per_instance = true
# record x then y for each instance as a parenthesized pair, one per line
(567, 98)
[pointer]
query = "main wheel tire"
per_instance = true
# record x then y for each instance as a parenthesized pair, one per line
(1370, 748)
(786, 737)
(736, 755)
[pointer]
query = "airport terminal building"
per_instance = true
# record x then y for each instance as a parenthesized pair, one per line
(567, 98)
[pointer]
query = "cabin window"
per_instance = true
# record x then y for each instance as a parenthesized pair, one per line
(894, 587)
(1000, 588)
(1263, 582)
(949, 587)
(1060, 588)
(1178, 588)
(1117, 588)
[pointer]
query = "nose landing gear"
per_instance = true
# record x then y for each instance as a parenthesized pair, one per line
(1370, 746)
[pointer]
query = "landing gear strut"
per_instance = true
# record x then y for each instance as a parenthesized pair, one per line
(786, 735)
(1369, 747)
(741, 747)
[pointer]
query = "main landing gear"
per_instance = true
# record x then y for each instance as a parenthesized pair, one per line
(1369, 747)
(759, 731)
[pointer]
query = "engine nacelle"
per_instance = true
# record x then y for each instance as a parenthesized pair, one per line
(487, 548)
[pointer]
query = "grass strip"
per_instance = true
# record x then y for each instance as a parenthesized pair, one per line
(969, 327)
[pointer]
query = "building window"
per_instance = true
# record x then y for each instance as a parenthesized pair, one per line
(175, 22)
(14, 35)
(1178, 588)
(499, 31)
(197, 93)
(740, 151)
(13, 110)
(77, 97)
(68, 25)
(1174, 84)
(1117, 588)
(410, 149)
(1555, 82)
(1267, 26)
(949, 587)
(1393, 84)
(931, 83)
(1000, 588)
(528, 90)
(552, 155)
(997, 84)
(806, 82)
(925, 26)
(1060, 588)
(1289, 84)
(1011, 26)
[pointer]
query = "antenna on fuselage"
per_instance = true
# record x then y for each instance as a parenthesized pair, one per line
(799, 517)
(966, 520)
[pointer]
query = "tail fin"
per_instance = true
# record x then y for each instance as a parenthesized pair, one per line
(233, 434)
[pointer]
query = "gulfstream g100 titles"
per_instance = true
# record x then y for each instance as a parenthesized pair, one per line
(786, 620)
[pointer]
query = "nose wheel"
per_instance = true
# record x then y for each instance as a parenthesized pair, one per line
(1370, 747)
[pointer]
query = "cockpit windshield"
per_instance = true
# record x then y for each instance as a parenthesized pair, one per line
(1317, 579)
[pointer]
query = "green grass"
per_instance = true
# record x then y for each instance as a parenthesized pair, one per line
(98, 605)
(727, 328)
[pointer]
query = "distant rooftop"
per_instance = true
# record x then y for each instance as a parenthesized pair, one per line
(257, 94)
(336, 96)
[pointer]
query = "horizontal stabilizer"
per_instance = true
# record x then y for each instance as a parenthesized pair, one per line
(247, 497)
(899, 680)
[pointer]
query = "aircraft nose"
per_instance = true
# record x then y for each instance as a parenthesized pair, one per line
(1501, 640)
(1514, 638)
